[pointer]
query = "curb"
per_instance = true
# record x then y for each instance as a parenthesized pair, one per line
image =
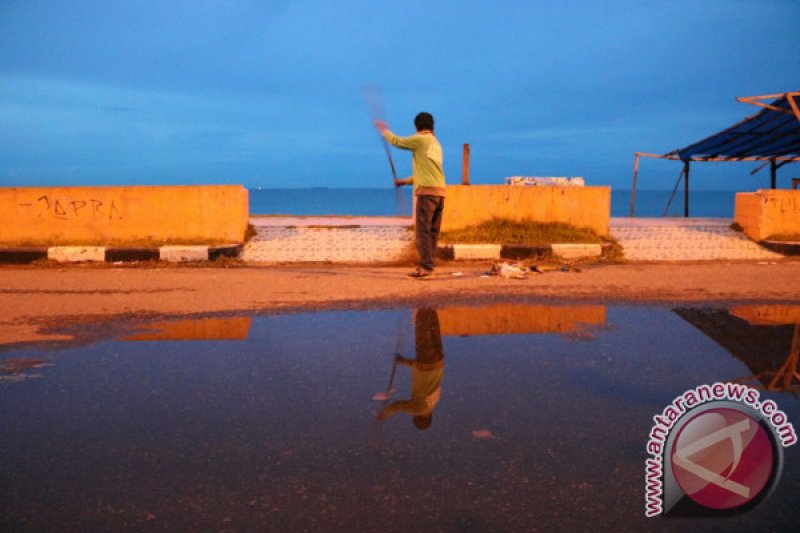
(520, 251)
(74, 254)
(21, 256)
(782, 247)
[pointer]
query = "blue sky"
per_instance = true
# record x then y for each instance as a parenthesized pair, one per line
(270, 93)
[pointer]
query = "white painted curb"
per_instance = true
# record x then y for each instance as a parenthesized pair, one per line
(577, 251)
(476, 251)
(183, 253)
(74, 254)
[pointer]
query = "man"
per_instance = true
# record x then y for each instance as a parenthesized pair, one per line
(429, 186)
(427, 371)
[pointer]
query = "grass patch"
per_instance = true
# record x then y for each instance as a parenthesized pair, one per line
(504, 231)
(787, 237)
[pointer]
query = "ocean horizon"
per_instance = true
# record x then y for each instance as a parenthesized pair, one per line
(391, 202)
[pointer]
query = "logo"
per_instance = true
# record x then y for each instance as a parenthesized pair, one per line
(716, 450)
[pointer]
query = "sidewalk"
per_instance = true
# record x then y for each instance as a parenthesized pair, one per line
(366, 239)
(680, 239)
(334, 239)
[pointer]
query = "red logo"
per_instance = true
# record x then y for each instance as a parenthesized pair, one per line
(722, 458)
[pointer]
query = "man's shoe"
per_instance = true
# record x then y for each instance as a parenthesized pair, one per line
(421, 273)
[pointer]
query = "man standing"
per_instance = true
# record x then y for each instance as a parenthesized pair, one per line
(429, 187)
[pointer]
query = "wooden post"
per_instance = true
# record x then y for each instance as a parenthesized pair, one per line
(633, 188)
(773, 173)
(686, 189)
(465, 166)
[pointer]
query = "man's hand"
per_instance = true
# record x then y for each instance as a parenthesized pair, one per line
(399, 359)
(405, 181)
(381, 126)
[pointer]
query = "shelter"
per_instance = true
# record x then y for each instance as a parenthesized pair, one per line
(771, 136)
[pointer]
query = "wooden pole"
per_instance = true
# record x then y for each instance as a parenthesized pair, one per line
(773, 173)
(686, 189)
(465, 166)
(633, 188)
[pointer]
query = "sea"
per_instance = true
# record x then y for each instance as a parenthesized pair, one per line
(391, 202)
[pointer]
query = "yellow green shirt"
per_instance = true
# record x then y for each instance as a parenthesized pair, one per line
(427, 160)
(426, 389)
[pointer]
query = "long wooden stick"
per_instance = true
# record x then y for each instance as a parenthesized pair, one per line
(374, 100)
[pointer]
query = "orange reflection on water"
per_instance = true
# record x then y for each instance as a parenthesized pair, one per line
(233, 328)
(768, 314)
(510, 319)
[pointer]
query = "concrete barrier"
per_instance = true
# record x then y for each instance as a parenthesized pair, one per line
(76, 254)
(768, 212)
(467, 205)
(181, 214)
(577, 251)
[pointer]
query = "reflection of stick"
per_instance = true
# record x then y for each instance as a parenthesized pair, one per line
(394, 371)
(401, 334)
(385, 395)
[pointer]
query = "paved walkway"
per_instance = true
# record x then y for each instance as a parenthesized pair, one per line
(370, 239)
(680, 239)
(335, 239)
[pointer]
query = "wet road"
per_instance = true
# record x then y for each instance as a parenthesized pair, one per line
(537, 418)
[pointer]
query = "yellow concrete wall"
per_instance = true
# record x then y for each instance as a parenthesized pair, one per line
(467, 205)
(118, 215)
(768, 212)
(746, 213)
(512, 319)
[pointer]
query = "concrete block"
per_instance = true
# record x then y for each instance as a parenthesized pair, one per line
(184, 253)
(72, 254)
(114, 255)
(517, 252)
(467, 205)
(230, 250)
(20, 256)
(577, 251)
(123, 214)
(476, 251)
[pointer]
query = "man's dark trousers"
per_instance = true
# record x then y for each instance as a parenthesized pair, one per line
(429, 220)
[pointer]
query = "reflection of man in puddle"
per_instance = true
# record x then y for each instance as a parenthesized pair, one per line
(427, 371)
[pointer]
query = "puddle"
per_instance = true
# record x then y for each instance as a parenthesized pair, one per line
(505, 417)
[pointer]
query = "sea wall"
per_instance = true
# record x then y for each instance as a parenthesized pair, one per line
(467, 205)
(203, 214)
(768, 212)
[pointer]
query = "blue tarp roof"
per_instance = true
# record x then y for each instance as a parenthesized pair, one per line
(766, 135)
